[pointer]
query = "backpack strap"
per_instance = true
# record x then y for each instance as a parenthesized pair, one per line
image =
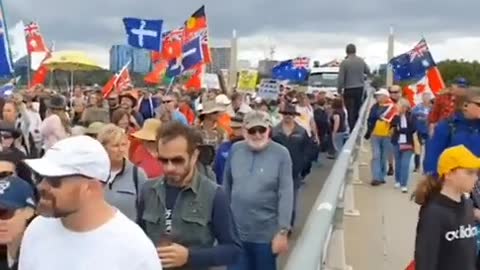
(135, 182)
(135, 179)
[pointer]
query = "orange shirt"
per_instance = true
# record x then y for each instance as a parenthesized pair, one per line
(224, 121)
(188, 112)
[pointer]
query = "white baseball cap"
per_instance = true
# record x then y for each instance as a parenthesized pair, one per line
(383, 92)
(79, 155)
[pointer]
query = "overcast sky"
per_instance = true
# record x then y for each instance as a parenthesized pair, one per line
(319, 29)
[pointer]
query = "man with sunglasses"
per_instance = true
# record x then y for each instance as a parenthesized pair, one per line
(185, 213)
(86, 232)
(170, 101)
(258, 179)
(17, 206)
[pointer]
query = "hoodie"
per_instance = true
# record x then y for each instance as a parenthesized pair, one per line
(451, 132)
(446, 235)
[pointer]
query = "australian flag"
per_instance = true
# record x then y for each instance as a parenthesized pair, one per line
(146, 34)
(191, 56)
(414, 64)
(294, 70)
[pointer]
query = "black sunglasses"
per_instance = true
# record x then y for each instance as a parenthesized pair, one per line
(255, 130)
(57, 181)
(6, 214)
(167, 101)
(176, 161)
(5, 174)
(394, 92)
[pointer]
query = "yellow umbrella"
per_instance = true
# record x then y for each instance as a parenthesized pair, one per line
(71, 61)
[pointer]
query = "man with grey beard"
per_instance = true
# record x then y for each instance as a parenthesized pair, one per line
(258, 179)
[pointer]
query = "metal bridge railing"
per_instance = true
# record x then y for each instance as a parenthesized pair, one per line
(321, 243)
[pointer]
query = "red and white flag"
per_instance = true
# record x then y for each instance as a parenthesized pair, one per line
(119, 81)
(36, 45)
(432, 83)
(390, 112)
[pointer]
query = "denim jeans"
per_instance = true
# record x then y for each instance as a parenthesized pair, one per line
(338, 140)
(403, 166)
(256, 256)
(381, 149)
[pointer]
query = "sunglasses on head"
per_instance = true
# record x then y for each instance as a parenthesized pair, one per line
(6, 214)
(175, 161)
(255, 130)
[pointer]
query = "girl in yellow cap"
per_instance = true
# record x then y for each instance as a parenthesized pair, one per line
(446, 231)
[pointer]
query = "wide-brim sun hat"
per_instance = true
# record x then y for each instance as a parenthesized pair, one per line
(211, 107)
(149, 130)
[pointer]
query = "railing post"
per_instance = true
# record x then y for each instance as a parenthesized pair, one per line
(336, 255)
(350, 209)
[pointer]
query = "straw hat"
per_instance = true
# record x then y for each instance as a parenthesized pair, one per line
(211, 107)
(149, 130)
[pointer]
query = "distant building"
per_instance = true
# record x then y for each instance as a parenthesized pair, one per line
(243, 64)
(139, 59)
(265, 67)
(220, 59)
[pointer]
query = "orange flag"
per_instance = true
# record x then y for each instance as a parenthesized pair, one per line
(109, 86)
(435, 80)
(156, 75)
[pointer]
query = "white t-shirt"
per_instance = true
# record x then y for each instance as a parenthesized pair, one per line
(119, 244)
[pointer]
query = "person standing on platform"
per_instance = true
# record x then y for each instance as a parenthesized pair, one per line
(351, 83)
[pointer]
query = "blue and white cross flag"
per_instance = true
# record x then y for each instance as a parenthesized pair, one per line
(146, 34)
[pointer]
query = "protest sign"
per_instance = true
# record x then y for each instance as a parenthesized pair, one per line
(269, 89)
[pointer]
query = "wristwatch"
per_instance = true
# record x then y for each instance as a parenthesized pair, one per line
(283, 232)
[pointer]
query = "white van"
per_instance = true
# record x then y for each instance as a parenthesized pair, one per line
(323, 78)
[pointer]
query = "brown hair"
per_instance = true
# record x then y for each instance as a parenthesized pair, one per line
(426, 188)
(118, 114)
(175, 129)
(337, 103)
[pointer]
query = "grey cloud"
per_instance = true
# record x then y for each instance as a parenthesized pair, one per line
(99, 21)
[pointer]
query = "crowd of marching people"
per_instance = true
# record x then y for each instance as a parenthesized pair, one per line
(210, 179)
(444, 131)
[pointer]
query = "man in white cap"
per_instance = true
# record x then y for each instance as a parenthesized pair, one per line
(86, 232)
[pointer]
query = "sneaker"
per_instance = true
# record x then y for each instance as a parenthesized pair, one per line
(397, 185)
(404, 190)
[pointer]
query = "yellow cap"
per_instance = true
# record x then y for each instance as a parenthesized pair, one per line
(457, 157)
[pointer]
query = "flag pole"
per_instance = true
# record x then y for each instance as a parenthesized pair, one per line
(391, 40)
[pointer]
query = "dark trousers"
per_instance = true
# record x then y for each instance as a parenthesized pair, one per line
(353, 99)
(256, 256)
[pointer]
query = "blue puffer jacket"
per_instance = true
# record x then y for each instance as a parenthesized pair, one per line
(450, 132)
